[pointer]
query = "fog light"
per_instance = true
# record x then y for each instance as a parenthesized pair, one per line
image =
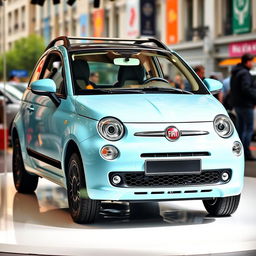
(225, 176)
(237, 148)
(109, 152)
(116, 179)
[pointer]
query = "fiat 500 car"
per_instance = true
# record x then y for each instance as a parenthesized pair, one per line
(106, 120)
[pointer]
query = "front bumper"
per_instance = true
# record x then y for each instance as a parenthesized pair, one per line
(220, 156)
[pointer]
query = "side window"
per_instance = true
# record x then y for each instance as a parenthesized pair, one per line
(37, 71)
(53, 69)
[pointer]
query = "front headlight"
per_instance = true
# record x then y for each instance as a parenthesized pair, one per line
(223, 126)
(111, 129)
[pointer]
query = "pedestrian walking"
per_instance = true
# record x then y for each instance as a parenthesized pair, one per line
(243, 99)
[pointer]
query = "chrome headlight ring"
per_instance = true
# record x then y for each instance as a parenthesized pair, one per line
(111, 128)
(223, 126)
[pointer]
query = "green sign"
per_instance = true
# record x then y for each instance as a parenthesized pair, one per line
(241, 16)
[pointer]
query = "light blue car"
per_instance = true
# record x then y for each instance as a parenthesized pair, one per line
(106, 120)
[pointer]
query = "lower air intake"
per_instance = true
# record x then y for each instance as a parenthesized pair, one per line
(139, 179)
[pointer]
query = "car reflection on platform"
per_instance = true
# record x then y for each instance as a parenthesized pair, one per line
(49, 207)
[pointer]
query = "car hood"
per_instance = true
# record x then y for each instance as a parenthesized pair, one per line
(150, 107)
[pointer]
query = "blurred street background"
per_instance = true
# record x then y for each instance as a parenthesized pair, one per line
(212, 33)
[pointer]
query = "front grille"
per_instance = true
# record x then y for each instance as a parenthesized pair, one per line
(175, 154)
(139, 179)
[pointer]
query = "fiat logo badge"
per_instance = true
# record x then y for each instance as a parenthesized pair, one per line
(172, 133)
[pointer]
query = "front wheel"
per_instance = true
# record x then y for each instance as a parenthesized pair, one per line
(23, 181)
(82, 209)
(222, 206)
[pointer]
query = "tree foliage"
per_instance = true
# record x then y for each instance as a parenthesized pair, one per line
(24, 54)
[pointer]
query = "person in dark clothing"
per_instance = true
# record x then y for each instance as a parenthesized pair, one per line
(200, 70)
(243, 99)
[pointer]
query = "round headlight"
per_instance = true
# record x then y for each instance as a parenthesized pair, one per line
(223, 126)
(111, 129)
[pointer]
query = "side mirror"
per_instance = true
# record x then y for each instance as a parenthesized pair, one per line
(43, 86)
(214, 86)
(46, 87)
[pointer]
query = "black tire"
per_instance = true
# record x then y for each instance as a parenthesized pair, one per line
(24, 182)
(82, 209)
(222, 206)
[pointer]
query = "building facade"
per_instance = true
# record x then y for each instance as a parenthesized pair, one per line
(210, 32)
(19, 22)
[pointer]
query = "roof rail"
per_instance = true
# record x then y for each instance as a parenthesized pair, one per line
(158, 43)
(66, 41)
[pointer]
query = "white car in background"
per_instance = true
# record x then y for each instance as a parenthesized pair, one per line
(12, 97)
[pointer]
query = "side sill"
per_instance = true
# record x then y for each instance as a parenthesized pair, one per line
(44, 158)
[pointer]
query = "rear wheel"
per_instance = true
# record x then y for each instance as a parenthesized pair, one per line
(222, 206)
(82, 209)
(23, 181)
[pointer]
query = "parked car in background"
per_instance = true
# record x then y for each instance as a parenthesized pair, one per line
(12, 97)
(19, 86)
(129, 136)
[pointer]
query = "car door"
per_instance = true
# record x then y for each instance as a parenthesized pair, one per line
(44, 122)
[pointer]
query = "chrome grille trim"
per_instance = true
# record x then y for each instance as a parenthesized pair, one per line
(193, 133)
(162, 133)
(150, 134)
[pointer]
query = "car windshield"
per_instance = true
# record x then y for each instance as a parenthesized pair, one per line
(127, 71)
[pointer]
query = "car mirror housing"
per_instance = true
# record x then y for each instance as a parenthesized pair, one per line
(46, 87)
(214, 86)
(43, 86)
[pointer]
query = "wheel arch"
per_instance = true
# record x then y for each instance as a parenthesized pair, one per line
(70, 148)
(14, 133)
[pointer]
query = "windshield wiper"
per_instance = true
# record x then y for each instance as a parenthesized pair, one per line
(110, 91)
(127, 91)
(121, 90)
(161, 89)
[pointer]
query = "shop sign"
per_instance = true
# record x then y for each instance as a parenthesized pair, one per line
(47, 30)
(19, 73)
(98, 23)
(241, 16)
(240, 48)
(83, 25)
(132, 14)
(148, 17)
(171, 21)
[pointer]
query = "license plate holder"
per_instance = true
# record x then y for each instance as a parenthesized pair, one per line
(173, 167)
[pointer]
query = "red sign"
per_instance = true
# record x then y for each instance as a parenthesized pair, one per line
(98, 23)
(132, 19)
(238, 49)
(172, 133)
(171, 21)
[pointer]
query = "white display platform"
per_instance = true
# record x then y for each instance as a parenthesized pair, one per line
(41, 224)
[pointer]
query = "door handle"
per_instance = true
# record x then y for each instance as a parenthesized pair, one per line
(30, 109)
